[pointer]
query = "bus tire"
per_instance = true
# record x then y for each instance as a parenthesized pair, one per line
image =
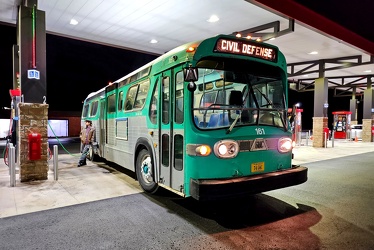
(145, 171)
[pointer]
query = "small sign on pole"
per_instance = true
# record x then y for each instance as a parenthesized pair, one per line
(33, 74)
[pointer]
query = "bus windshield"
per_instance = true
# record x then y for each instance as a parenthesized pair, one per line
(225, 99)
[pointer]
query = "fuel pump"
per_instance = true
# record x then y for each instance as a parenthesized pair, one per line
(342, 121)
(296, 124)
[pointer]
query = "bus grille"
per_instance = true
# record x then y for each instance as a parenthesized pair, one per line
(247, 145)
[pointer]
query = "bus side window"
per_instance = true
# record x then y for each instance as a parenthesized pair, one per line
(130, 97)
(138, 104)
(141, 94)
(128, 104)
(85, 110)
(94, 108)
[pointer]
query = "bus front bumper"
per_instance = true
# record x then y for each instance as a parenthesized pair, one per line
(203, 189)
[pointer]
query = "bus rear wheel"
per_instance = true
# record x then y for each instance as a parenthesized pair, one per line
(145, 171)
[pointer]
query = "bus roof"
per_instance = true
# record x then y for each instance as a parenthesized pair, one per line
(175, 56)
(180, 49)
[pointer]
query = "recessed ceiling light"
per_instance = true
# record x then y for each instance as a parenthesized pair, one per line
(313, 53)
(213, 19)
(73, 21)
(367, 71)
(153, 41)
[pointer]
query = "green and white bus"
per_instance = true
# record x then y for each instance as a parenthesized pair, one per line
(207, 119)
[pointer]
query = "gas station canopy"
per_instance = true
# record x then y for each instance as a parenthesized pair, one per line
(310, 41)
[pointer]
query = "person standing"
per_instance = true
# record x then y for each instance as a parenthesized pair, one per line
(87, 136)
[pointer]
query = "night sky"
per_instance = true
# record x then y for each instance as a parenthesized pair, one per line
(76, 68)
(356, 16)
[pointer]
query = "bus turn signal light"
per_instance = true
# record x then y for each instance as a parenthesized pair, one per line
(203, 150)
(198, 149)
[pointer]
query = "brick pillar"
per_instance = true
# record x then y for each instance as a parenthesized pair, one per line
(33, 118)
(318, 134)
(367, 124)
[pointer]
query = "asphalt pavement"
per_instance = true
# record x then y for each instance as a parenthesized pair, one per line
(99, 207)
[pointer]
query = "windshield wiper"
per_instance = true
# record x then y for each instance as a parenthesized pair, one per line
(267, 99)
(234, 122)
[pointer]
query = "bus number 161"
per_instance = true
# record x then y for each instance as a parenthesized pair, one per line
(260, 131)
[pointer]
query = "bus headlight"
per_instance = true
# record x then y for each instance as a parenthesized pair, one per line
(226, 149)
(198, 149)
(284, 145)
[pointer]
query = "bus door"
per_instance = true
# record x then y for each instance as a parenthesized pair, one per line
(110, 117)
(171, 131)
(102, 128)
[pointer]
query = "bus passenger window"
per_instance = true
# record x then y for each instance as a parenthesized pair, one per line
(85, 110)
(141, 94)
(130, 98)
(94, 106)
(120, 100)
(128, 104)
(138, 104)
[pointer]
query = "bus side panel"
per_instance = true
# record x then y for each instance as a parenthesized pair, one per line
(120, 150)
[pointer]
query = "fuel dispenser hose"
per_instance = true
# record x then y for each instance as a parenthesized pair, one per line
(5, 151)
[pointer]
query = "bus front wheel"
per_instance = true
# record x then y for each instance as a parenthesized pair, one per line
(145, 171)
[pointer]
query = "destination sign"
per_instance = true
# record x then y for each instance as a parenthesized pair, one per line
(247, 49)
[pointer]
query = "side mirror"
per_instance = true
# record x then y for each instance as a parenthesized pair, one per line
(190, 74)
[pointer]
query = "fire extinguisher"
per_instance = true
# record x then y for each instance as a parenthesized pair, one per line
(35, 146)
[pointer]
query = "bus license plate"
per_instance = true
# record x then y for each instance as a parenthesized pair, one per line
(257, 167)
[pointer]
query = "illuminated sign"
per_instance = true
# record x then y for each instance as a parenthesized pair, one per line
(33, 74)
(247, 48)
